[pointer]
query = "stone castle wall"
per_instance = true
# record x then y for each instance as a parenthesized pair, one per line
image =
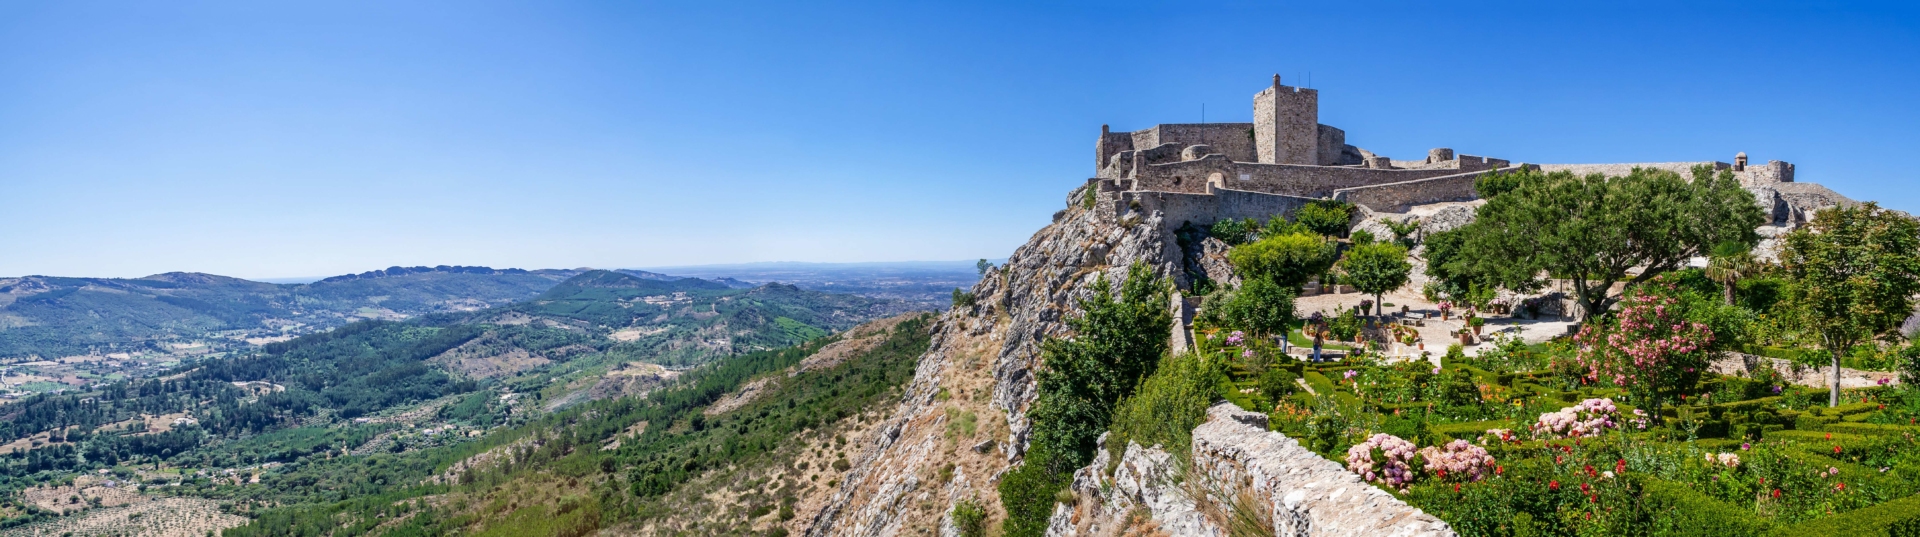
(1399, 197)
(1288, 179)
(1115, 202)
(1332, 147)
(1231, 139)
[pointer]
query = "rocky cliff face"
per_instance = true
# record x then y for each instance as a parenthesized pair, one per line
(981, 361)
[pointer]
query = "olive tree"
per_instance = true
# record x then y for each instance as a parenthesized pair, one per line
(1597, 231)
(1259, 306)
(1852, 273)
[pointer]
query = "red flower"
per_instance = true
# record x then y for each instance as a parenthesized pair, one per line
(1556, 459)
(1591, 473)
(1568, 449)
(1829, 436)
(1836, 449)
(1840, 486)
(1497, 470)
(1584, 488)
(1456, 487)
(1776, 493)
(1620, 467)
(1553, 485)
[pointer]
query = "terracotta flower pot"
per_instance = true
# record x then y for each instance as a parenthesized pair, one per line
(1476, 330)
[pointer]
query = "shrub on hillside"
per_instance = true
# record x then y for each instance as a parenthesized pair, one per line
(1167, 406)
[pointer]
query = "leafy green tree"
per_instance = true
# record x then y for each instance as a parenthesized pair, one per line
(983, 266)
(1234, 231)
(1730, 263)
(1375, 269)
(1115, 343)
(1494, 184)
(1325, 217)
(1361, 236)
(1596, 231)
(1853, 273)
(1289, 260)
(1260, 307)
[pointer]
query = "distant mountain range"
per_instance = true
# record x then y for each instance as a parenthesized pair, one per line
(193, 313)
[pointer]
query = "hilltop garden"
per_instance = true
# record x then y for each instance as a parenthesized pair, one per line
(1633, 423)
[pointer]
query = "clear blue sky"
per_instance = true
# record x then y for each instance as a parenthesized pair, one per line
(280, 139)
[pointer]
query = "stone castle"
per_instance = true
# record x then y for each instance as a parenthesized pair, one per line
(1286, 158)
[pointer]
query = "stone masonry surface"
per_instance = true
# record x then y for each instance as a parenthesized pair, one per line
(1233, 452)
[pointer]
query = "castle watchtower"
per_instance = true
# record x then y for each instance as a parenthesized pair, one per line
(1286, 125)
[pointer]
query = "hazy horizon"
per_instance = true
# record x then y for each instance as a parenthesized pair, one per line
(960, 265)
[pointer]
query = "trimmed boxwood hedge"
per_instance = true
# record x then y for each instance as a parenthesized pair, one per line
(1684, 511)
(1895, 518)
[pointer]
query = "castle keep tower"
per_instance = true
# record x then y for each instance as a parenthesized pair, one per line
(1286, 123)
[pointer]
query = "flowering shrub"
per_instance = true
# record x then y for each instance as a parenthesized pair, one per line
(1459, 460)
(1589, 418)
(1729, 460)
(1640, 419)
(1651, 350)
(1385, 459)
(1499, 436)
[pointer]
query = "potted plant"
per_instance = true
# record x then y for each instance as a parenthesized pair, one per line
(1446, 310)
(1465, 339)
(1476, 323)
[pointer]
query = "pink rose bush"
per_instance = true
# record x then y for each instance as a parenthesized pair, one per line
(1589, 418)
(1393, 462)
(1459, 460)
(1393, 466)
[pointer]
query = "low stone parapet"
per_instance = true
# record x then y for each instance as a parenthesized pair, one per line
(1234, 455)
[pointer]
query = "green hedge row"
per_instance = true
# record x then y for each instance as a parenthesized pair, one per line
(1682, 511)
(1899, 518)
(1849, 427)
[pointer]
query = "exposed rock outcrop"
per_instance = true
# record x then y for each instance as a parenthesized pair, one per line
(1016, 307)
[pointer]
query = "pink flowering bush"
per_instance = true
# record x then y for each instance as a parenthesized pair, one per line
(1459, 460)
(1651, 348)
(1384, 459)
(1589, 418)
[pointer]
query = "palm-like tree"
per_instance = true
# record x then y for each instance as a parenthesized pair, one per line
(1729, 263)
